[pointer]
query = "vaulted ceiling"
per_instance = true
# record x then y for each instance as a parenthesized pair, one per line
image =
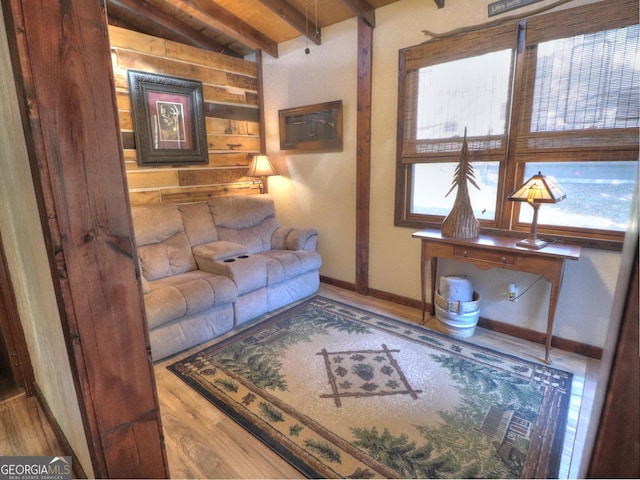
(238, 27)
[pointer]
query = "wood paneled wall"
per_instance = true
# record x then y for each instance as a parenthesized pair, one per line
(230, 90)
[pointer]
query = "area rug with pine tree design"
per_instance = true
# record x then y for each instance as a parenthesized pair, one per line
(342, 392)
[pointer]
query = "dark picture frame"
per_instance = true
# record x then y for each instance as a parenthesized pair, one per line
(312, 128)
(168, 118)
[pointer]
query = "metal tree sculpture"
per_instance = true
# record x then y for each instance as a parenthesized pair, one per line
(461, 222)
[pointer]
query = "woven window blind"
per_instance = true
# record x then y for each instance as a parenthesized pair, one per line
(453, 84)
(581, 86)
(566, 90)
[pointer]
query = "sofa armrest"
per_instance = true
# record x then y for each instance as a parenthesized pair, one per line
(292, 238)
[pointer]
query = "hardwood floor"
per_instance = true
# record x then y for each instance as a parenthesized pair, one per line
(202, 442)
(24, 429)
(8, 388)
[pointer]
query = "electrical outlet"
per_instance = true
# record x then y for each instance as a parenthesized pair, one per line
(512, 293)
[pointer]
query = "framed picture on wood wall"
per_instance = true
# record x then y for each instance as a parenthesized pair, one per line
(168, 118)
(313, 128)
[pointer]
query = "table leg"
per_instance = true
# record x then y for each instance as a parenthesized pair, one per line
(423, 286)
(433, 262)
(556, 283)
(434, 270)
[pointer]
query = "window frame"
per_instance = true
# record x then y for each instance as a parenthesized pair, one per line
(526, 35)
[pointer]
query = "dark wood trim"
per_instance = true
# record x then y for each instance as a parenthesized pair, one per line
(363, 154)
(400, 207)
(338, 283)
(493, 325)
(389, 297)
(261, 115)
(399, 299)
(78, 471)
(66, 92)
(364, 11)
(509, 174)
(11, 330)
(539, 337)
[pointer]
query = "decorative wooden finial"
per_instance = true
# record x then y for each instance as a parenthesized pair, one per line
(461, 222)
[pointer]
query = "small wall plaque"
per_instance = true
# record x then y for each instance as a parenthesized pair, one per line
(503, 6)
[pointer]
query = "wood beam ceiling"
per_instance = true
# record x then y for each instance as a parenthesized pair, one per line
(241, 28)
(363, 10)
(298, 20)
(227, 23)
(120, 8)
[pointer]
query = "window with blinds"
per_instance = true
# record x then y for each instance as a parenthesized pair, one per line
(557, 93)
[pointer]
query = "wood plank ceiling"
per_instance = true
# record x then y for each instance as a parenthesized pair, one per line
(238, 27)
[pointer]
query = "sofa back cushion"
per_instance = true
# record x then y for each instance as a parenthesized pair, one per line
(163, 246)
(198, 223)
(249, 220)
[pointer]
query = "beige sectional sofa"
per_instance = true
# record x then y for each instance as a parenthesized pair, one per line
(208, 267)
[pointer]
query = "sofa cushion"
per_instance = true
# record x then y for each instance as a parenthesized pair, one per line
(185, 294)
(256, 239)
(163, 247)
(170, 257)
(164, 305)
(248, 220)
(190, 330)
(241, 211)
(198, 223)
(156, 223)
(287, 264)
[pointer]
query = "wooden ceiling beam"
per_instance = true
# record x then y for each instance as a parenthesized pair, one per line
(298, 20)
(224, 21)
(364, 10)
(165, 21)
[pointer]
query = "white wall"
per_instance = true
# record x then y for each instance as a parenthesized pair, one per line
(29, 269)
(319, 189)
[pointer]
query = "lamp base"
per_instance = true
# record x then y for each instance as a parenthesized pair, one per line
(532, 243)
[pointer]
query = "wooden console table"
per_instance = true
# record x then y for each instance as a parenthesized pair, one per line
(488, 251)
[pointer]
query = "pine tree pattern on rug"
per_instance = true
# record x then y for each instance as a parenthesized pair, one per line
(427, 405)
